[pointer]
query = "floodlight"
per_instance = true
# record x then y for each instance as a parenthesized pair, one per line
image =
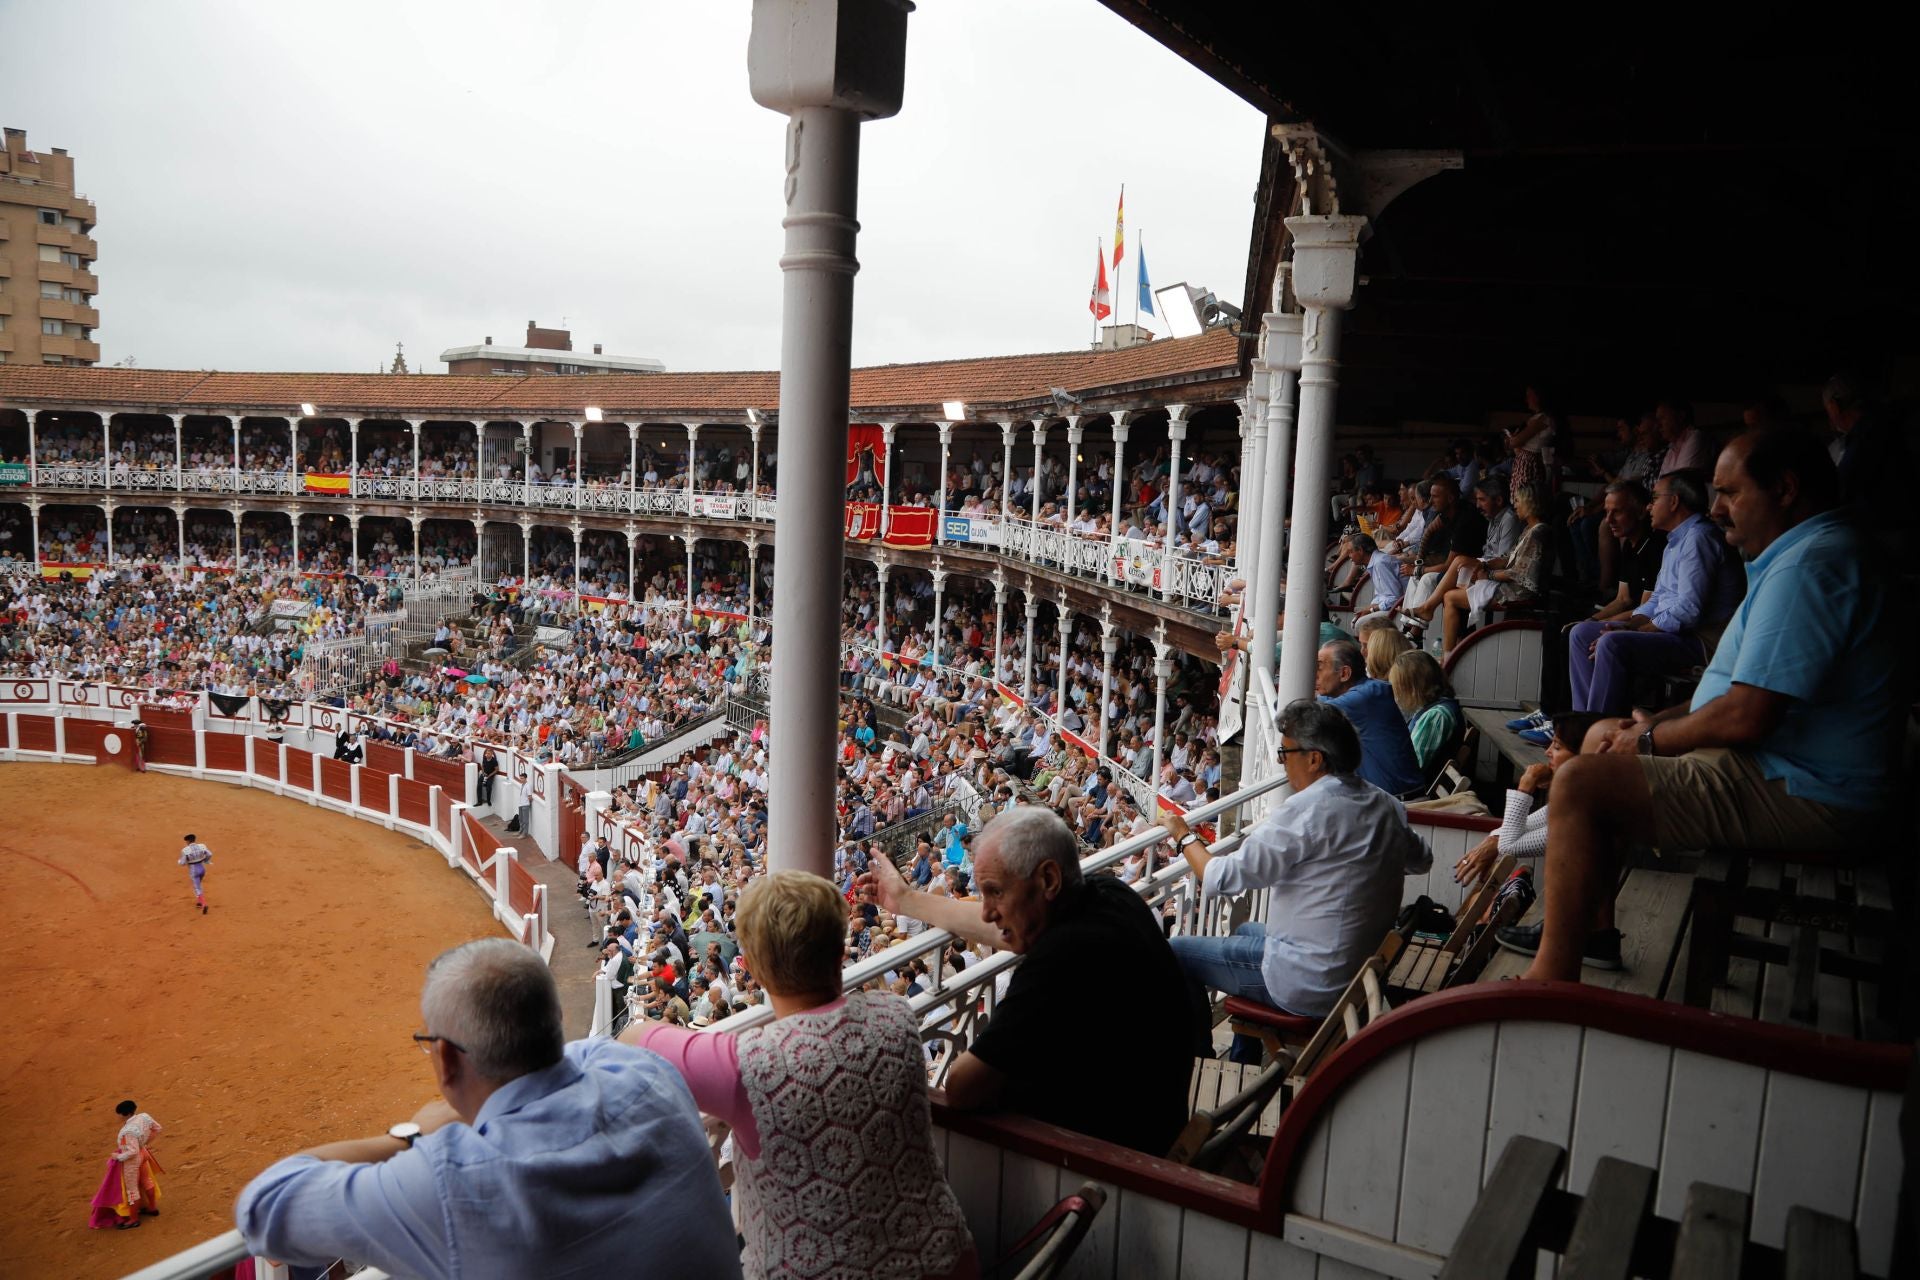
(753, 417)
(308, 411)
(956, 410)
(594, 413)
(1178, 306)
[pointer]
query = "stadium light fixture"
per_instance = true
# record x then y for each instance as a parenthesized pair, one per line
(595, 413)
(754, 418)
(308, 411)
(1177, 305)
(956, 410)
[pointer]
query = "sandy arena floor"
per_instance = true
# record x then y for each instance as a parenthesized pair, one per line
(279, 1020)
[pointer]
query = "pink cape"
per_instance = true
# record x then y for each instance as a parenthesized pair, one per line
(106, 1198)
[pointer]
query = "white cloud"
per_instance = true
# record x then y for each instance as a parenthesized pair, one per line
(296, 187)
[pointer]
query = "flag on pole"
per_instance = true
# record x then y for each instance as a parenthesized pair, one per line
(1098, 303)
(1120, 230)
(1146, 285)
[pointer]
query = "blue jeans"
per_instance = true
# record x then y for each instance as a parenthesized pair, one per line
(1230, 964)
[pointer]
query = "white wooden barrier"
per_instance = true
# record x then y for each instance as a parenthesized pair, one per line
(1498, 666)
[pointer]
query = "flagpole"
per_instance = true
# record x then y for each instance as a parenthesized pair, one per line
(1098, 252)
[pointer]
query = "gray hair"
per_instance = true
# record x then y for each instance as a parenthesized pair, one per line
(1360, 542)
(495, 999)
(1322, 727)
(1029, 834)
(1689, 488)
(1345, 653)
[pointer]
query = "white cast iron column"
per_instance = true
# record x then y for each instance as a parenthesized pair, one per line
(1065, 623)
(1325, 249)
(1162, 672)
(1109, 645)
(1006, 480)
(827, 67)
(939, 590)
(1176, 433)
(1026, 664)
(1119, 493)
(1282, 342)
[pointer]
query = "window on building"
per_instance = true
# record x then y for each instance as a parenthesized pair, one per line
(49, 253)
(86, 334)
(74, 260)
(74, 224)
(52, 328)
(80, 296)
(50, 217)
(49, 289)
(53, 360)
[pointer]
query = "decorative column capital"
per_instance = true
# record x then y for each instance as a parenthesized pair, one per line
(1326, 250)
(1075, 432)
(693, 429)
(1039, 431)
(886, 433)
(1008, 430)
(1176, 422)
(1280, 334)
(633, 431)
(1120, 417)
(946, 433)
(575, 525)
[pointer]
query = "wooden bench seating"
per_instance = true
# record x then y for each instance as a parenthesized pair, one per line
(1611, 1232)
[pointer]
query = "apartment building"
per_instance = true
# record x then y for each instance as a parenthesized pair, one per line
(546, 351)
(47, 252)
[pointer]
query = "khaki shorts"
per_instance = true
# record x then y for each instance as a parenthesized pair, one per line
(1717, 798)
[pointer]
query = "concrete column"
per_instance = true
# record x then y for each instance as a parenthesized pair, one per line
(1075, 434)
(940, 517)
(1109, 645)
(1325, 250)
(1065, 624)
(1026, 664)
(1119, 490)
(826, 67)
(1283, 370)
(1176, 433)
(1039, 442)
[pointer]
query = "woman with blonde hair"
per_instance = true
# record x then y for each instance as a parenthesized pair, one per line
(1434, 719)
(1521, 574)
(1383, 644)
(858, 1121)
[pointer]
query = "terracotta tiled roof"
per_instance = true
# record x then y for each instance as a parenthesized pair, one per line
(985, 383)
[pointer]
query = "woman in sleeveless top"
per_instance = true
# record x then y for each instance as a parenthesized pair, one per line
(835, 1172)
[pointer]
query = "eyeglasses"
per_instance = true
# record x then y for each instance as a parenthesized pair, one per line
(425, 1038)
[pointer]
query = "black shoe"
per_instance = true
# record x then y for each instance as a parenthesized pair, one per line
(1603, 950)
(1521, 939)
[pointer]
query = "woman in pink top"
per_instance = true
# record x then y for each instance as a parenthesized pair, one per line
(835, 1171)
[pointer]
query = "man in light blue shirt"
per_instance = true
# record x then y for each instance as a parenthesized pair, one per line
(543, 1160)
(1386, 747)
(1383, 569)
(1790, 741)
(1335, 854)
(1692, 598)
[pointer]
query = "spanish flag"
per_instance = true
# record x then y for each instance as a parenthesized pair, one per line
(1120, 231)
(80, 572)
(321, 482)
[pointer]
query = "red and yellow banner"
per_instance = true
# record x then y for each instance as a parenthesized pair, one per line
(51, 570)
(322, 482)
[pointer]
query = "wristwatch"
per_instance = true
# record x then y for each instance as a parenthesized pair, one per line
(1646, 741)
(1191, 838)
(406, 1131)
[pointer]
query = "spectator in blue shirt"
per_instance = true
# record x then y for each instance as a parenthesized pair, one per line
(1386, 748)
(1790, 739)
(1383, 569)
(544, 1159)
(1693, 596)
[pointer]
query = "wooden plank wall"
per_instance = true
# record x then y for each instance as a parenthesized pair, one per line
(1498, 668)
(1405, 1148)
(1448, 844)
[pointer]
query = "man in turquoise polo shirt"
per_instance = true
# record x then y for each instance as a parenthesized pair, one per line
(1790, 739)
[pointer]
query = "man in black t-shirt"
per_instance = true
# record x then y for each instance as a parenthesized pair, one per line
(1081, 1038)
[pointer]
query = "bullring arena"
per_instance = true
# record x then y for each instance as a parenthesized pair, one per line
(276, 1021)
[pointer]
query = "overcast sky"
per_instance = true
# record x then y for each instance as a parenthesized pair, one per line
(297, 186)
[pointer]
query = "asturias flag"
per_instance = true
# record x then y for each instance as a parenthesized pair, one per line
(1098, 303)
(1146, 286)
(1120, 229)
